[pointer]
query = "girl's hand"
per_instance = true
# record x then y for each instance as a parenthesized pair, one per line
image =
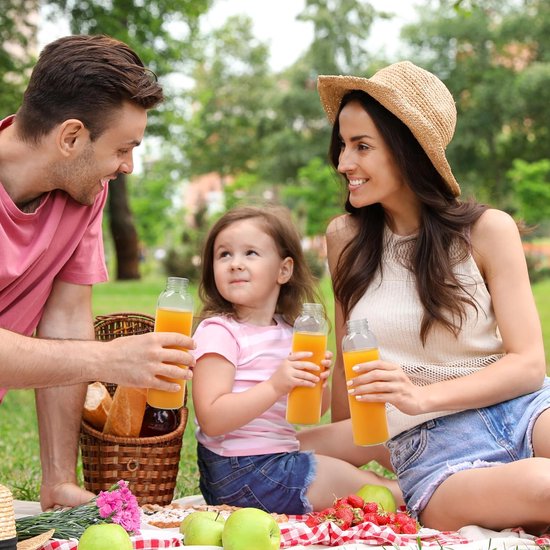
(295, 371)
(381, 381)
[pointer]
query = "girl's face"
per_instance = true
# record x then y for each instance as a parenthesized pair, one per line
(367, 162)
(248, 270)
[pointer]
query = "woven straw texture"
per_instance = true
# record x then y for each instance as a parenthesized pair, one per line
(149, 464)
(7, 515)
(415, 96)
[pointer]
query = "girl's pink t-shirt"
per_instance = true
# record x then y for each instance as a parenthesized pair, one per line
(256, 352)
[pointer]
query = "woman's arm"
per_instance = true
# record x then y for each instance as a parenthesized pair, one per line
(338, 233)
(499, 255)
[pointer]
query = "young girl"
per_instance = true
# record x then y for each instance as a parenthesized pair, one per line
(444, 285)
(253, 284)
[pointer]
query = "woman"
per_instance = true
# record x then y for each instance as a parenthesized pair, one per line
(445, 288)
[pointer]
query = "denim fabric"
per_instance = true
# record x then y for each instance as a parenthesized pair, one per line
(274, 482)
(426, 455)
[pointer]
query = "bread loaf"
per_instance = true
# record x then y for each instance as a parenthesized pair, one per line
(97, 405)
(126, 413)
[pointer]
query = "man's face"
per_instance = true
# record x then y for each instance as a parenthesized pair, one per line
(84, 176)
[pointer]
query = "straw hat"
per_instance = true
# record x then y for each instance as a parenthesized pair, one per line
(415, 96)
(8, 534)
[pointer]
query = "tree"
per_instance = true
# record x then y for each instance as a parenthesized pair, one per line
(231, 102)
(531, 183)
(163, 33)
(17, 36)
(494, 58)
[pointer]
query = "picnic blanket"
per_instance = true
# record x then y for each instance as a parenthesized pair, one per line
(297, 535)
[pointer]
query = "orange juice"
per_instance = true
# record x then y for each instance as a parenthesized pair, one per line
(170, 320)
(304, 404)
(368, 420)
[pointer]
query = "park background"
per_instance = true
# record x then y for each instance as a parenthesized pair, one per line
(236, 129)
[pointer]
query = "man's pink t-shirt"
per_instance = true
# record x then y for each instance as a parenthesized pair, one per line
(61, 240)
(256, 352)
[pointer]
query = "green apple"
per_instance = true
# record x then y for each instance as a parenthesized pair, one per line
(203, 531)
(216, 516)
(105, 536)
(379, 494)
(251, 529)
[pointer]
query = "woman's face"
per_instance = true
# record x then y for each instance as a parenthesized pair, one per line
(367, 162)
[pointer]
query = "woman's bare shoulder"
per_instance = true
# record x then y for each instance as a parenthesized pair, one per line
(341, 227)
(493, 225)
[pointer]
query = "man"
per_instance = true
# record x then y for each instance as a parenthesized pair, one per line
(84, 111)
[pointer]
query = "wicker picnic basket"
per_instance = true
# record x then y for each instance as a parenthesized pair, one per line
(149, 464)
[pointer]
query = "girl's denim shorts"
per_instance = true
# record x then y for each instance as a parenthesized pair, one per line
(274, 482)
(424, 456)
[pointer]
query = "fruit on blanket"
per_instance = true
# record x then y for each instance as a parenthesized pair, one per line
(216, 516)
(203, 529)
(105, 536)
(345, 513)
(251, 529)
(380, 494)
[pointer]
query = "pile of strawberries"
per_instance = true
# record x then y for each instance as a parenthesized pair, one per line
(353, 510)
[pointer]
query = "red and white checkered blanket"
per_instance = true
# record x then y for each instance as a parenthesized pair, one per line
(296, 532)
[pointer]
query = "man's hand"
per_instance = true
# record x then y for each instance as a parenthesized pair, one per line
(63, 495)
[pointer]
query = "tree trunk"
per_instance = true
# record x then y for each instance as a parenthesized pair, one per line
(123, 231)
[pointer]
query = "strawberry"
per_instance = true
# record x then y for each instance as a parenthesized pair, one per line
(343, 501)
(314, 519)
(328, 514)
(381, 519)
(370, 507)
(344, 517)
(355, 501)
(371, 518)
(409, 528)
(358, 516)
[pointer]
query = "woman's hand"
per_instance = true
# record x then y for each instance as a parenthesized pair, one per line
(296, 370)
(327, 365)
(381, 381)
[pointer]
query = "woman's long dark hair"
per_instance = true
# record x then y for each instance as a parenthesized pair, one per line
(444, 228)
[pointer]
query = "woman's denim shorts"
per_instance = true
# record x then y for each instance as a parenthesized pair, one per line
(274, 482)
(425, 456)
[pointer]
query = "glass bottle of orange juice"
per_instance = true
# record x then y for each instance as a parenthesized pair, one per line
(174, 314)
(310, 334)
(368, 420)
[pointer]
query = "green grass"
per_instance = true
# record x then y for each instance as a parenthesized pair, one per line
(19, 453)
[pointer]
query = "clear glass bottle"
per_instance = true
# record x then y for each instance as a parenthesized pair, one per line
(310, 334)
(159, 421)
(368, 420)
(174, 314)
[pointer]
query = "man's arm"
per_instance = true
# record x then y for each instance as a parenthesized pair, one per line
(68, 314)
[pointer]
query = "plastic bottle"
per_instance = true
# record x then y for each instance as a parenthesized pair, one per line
(368, 420)
(310, 334)
(174, 314)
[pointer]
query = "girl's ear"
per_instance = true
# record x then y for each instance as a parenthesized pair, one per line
(285, 271)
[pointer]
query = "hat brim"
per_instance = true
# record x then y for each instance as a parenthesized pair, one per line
(332, 89)
(37, 542)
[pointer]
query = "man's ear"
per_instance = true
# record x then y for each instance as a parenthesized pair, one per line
(286, 270)
(72, 136)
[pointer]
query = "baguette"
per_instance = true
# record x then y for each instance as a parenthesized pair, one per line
(96, 406)
(126, 414)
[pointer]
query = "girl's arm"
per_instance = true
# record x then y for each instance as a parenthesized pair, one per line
(499, 255)
(219, 410)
